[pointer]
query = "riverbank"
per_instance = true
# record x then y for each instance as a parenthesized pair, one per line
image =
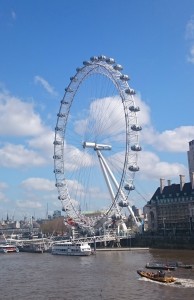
(122, 249)
(160, 242)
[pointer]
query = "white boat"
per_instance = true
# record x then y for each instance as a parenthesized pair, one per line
(7, 248)
(71, 248)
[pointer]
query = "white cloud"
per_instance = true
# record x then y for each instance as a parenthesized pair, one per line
(109, 109)
(13, 15)
(40, 80)
(17, 118)
(191, 55)
(3, 185)
(43, 142)
(175, 140)
(38, 184)
(190, 29)
(152, 167)
(74, 159)
(17, 156)
(3, 198)
(190, 37)
(143, 115)
(28, 204)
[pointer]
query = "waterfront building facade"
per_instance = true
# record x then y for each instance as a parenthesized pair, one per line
(190, 156)
(170, 211)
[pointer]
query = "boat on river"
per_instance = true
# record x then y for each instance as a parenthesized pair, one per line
(71, 248)
(32, 248)
(7, 248)
(161, 266)
(184, 266)
(178, 264)
(158, 276)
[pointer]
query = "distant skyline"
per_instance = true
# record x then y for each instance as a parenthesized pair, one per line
(42, 44)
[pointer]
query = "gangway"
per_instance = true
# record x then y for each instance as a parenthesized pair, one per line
(96, 239)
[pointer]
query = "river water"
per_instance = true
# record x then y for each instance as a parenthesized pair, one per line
(109, 275)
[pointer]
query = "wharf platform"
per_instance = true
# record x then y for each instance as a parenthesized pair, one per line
(123, 249)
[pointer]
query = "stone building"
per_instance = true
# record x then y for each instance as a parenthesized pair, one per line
(190, 155)
(170, 211)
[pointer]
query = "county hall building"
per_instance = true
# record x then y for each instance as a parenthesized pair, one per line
(170, 211)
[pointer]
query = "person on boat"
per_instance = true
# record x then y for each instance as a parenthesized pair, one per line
(161, 273)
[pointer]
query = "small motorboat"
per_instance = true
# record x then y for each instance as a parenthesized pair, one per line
(158, 276)
(8, 248)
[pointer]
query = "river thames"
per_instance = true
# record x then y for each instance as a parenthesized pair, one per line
(108, 275)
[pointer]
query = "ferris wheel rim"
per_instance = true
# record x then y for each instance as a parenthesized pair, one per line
(99, 65)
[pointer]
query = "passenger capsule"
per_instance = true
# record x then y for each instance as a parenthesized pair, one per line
(61, 115)
(57, 171)
(59, 184)
(123, 203)
(129, 187)
(118, 67)
(134, 108)
(136, 127)
(58, 128)
(57, 142)
(102, 57)
(64, 102)
(68, 90)
(65, 209)
(130, 91)
(110, 60)
(61, 197)
(133, 168)
(57, 156)
(73, 78)
(79, 69)
(116, 217)
(86, 63)
(136, 147)
(94, 58)
(124, 77)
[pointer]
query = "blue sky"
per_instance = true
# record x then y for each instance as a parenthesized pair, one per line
(42, 43)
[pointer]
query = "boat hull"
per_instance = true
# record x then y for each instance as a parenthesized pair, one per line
(8, 249)
(71, 249)
(156, 277)
(71, 254)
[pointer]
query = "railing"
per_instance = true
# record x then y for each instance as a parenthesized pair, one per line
(96, 239)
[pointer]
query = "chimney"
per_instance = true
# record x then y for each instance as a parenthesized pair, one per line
(161, 185)
(182, 181)
(169, 182)
(192, 180)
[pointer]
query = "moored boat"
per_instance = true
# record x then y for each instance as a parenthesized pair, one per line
(184, 266)
(179, 264)
(160, 266)
(71, 248)
(158, 276)
(32, 248)
(7, 248)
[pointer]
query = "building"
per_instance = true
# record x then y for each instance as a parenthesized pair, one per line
(190, 155)
(170, 211)
(56, 214)
(171, 208)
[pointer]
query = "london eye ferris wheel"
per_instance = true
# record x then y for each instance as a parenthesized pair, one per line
(96, 144)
